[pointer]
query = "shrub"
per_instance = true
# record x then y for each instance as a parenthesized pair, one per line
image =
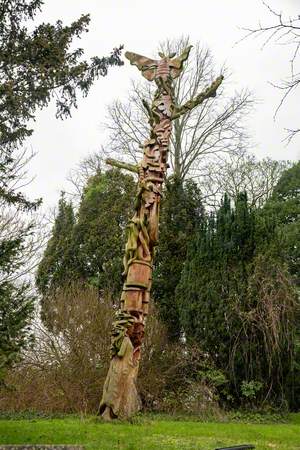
(65, 370)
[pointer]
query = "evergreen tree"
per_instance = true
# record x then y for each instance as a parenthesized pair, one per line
(16, 300)
(90, 248)
(40, 64)
(284, 210)
(100, 232)
(36, 65)
(57, 266)
(237, 301)
(181, 215)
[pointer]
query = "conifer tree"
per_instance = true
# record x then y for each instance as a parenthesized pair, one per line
(237, 302)
(57, 266)
(182, 212)
(100, 232)
(89, 248)
(37, 64)
(16, 301)
(283, 210)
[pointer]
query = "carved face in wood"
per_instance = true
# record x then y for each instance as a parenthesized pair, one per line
(164, 68)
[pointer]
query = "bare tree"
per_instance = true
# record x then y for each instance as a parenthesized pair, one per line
(200, 136)
(285, 31)
(239, 172)
(78, 177)
(17, 224)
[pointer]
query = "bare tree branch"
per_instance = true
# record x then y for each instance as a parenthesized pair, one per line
(285, 31)
(240, 172)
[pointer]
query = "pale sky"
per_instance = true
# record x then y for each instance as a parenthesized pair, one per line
(140, 25)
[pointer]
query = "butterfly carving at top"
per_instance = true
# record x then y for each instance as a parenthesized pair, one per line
(164, 68)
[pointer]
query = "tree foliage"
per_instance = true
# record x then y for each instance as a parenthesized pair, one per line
(57, 265)
(100, 232)
(37, 64)
(237, 301)
(89, 247)
(182, 212)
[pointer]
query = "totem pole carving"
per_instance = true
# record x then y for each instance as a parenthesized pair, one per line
(120, 397)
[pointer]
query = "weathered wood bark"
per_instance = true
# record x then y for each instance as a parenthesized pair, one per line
(120, 397)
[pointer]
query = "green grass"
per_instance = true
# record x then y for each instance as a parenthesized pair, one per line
(151, 433)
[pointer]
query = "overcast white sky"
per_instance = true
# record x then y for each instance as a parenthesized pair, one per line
(140, 25)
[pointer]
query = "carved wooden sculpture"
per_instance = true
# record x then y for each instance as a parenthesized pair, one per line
(120, 397)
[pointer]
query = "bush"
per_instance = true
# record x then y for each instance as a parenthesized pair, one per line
(65, 370)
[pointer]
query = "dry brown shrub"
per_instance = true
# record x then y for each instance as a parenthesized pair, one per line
(171, 374)
(65, 370)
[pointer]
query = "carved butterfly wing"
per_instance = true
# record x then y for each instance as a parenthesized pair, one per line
(177, 63)
(146, 65)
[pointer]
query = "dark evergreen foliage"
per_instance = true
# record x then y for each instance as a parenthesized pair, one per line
(181, 215)
(89, 248)
(284, 210)
(16, 300)
(100, 232)
(36, 65)
(237, 302)
(57, 266)
(16, 309)
(40, 64)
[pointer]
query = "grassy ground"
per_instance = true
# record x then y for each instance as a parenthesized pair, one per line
(151, 433)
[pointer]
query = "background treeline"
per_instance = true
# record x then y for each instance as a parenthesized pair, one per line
(225, 327)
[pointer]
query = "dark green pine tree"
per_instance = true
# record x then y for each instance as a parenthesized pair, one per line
(214, 274)
(16, 301)
(205, 283)
(37, 64)
(182, 213)
(57, 267)
(284, 209)
(237, 302)
(100, 232)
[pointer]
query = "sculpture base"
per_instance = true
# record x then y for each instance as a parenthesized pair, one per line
(120, 398)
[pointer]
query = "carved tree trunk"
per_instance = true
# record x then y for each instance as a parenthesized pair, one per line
(120, 397)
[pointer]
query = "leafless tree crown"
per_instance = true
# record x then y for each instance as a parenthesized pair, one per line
(201, 135)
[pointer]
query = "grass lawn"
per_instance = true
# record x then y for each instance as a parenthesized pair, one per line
(151, 433)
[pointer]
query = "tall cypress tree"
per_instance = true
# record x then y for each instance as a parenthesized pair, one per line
(182, 213)
(89, 248)
(57, 267)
